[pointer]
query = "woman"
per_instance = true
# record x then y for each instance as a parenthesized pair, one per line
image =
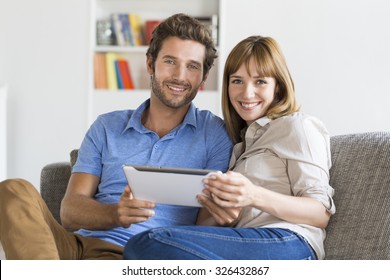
(276, 199)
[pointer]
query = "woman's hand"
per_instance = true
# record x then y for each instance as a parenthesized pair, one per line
(222, 216)
(230, 190)
(235, 190)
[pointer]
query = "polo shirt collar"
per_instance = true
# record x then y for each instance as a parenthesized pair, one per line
(136, 123)
(190, 117)
(135, 118)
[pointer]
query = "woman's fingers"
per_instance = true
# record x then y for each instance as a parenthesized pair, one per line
(222, 216)
(230, 190)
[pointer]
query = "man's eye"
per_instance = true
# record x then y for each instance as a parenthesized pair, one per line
(169, 61)
(193, 67)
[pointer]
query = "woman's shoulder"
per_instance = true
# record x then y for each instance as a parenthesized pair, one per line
(300, 133)
(299, 119)
(297, 126)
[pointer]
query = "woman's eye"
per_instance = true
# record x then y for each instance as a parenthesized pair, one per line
(236, 81)
(261, 82)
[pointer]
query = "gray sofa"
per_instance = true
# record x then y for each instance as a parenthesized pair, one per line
(360, 175)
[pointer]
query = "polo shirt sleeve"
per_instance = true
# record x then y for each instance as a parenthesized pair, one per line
(89, 158)
(220, 146)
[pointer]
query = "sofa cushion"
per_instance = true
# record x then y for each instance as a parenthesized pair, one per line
(73, 157)
(360, 175)
(54, 180)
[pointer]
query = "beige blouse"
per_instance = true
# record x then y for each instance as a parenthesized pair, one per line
(291, 156)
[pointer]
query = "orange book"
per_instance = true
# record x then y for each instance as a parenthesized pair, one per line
(100, 74)
(124, 69)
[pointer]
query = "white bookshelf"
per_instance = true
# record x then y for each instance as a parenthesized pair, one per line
(101, 101)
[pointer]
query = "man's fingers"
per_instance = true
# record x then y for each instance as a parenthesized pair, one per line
(136, 212)
(136, 203)
(132, 215)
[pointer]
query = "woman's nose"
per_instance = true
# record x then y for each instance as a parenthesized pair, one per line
(250, 90)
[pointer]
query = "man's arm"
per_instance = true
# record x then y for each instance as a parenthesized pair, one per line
(80, 210)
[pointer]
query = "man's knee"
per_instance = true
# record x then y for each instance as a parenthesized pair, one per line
(12, 189)
(15, 183)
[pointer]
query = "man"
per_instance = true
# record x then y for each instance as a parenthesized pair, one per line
(166, 130)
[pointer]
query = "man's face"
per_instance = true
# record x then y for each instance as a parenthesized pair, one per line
(178, 71)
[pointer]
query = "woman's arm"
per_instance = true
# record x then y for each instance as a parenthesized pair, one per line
(235, 190)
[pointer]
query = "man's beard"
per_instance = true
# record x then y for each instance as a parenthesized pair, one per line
(174, 102)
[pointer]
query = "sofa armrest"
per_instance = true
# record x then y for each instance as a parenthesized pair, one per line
(54, 181)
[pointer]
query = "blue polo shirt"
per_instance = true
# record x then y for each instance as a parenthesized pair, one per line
(118, 138)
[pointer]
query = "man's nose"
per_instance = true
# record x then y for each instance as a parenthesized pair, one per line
(180, 72)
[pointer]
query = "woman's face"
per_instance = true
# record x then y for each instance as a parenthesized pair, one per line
(250, 94)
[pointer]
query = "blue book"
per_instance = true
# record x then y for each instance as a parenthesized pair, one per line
(118, 75)
(126, 29)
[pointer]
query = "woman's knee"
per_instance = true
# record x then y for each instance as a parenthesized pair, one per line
(144, 242)
(136, 245)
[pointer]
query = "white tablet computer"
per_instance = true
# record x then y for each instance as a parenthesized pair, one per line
(166, 185)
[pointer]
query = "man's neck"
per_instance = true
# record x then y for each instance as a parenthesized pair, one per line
(162, 119)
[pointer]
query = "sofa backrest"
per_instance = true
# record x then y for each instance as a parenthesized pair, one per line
(360, 175)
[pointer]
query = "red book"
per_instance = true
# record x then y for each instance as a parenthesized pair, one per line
(124, 69)
(150, 25)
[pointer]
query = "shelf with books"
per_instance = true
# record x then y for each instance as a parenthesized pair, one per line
(112, 71)
(102, 97)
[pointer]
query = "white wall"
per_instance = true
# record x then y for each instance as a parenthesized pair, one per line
(3, 132)
(337, 52)
(43, 53)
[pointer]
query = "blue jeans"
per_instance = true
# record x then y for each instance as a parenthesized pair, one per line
(217, 243)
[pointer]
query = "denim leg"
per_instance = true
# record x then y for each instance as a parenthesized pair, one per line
(214, 243)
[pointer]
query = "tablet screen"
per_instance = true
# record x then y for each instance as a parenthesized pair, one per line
(166, 185)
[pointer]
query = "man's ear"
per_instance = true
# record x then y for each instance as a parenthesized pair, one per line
(205, 77)
(149, 64)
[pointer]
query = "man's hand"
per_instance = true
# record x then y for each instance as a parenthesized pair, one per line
(132, 211)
